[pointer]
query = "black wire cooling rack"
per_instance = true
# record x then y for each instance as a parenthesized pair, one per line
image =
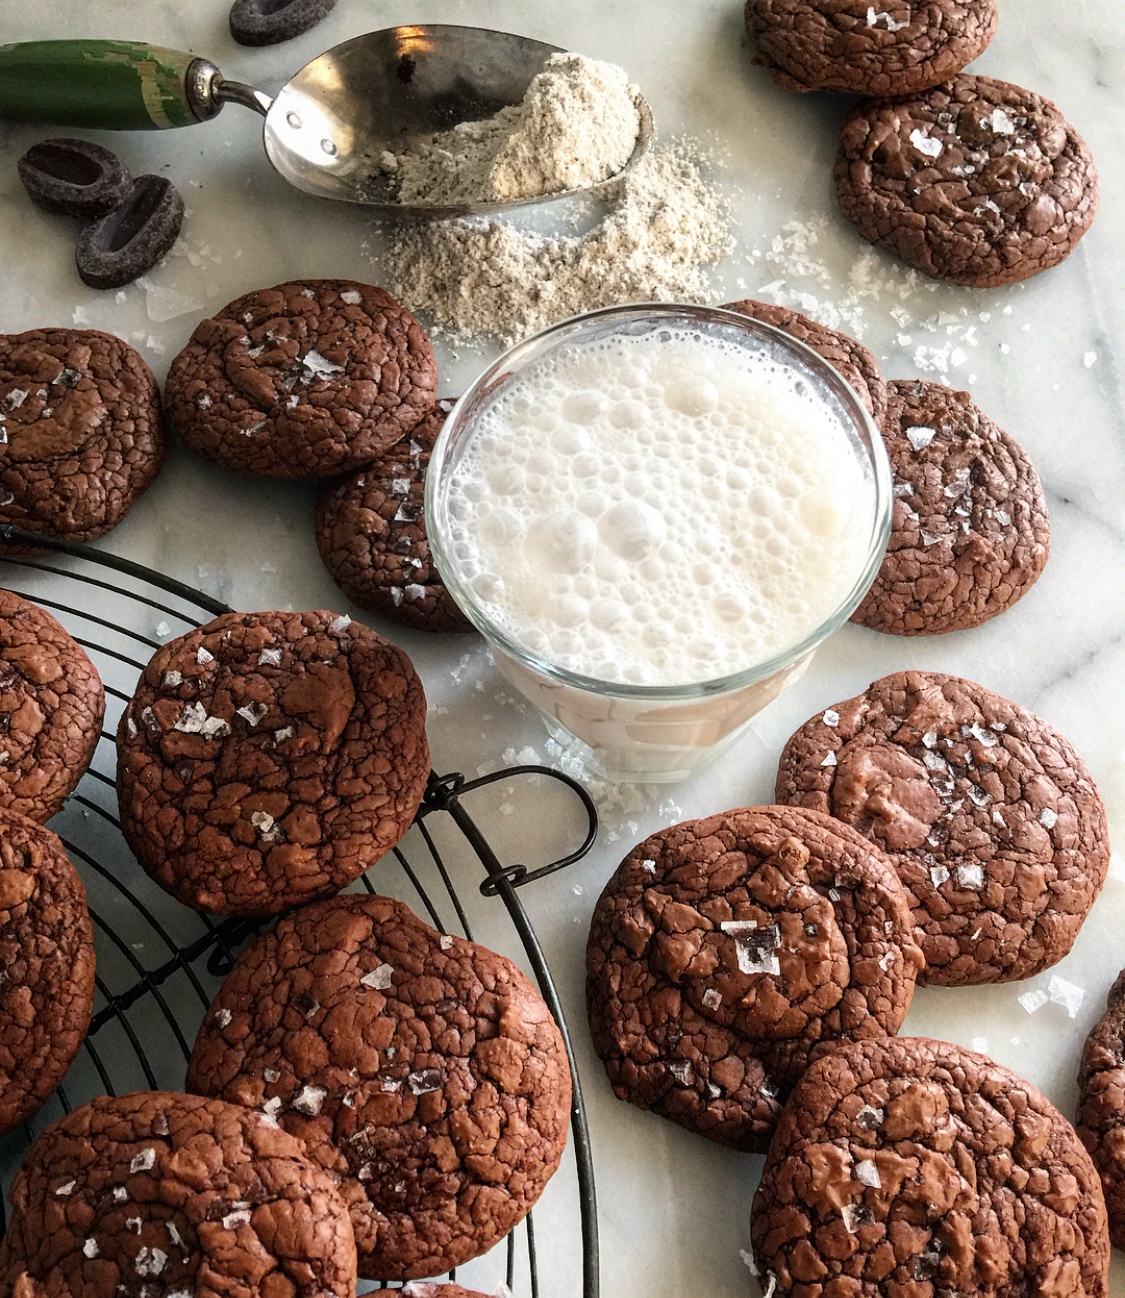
(159, 964)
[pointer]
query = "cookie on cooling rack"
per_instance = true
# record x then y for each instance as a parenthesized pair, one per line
(990, 817)
(47, 958)
(976, 181)
(158, 1193)
(303, 380)
(371, 534)
(895, 47)
(725, 953)
(80, 431)
(423, 1071)
(912, 1166)
(270, 758)
(51, 708)
(971, 533)
(855, 364)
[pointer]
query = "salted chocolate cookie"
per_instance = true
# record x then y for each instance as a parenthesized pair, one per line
(971, 533)
(371, 533)
(422, 1071)
(855, 364)
(303, 380)
(162, 1194)
(47, 958)
(80, 431)
(894, 48)
(987, 813)
(51, 707)
(915, 1167)
(725, 951)
(270, 758)
(1101, 1106)
(976, 181)
(424, 1289)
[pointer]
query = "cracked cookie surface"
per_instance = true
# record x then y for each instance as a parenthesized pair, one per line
(270, 758)
(912, 1167)
(990, 817)
(422, 1071)
(159, 1193)
(1101, 1105)
(723, 952)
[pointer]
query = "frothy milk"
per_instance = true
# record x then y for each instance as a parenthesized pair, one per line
(660, 509)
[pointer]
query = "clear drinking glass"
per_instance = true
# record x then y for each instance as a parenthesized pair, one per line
(659, 732)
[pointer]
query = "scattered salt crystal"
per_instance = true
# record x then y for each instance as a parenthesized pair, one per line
(271, 1074)
(414, 592)
(172, 679)
(866, 1173)
(379, 978)
(971, 876)
(235, 1219)
(1067, 994)
(269, 658)
(874, 19)
(309, 1099)
(998, 818)
(64, 1190)
(755, 948)
(829, 760)
(318, 366)
(90, 1248)
(272, 1106)
(339, 624)
(223, 1017)
(870, 1119)
(174, 1234)
(424, 1080)
(682, 1071)
(1089, 358)
(1004, 349)
(920, 436)
(712, 999)
(204, 656)
(144, 1161)
(999, 122)
(649, 867)
(252, 713)
(352, 296)
(1033, 1000)
(162, 628)
(887, 959)
(1002, 517)
(925, 143)
(830, 717)
(854, 1215)
(1048, 818)
(151, 1261)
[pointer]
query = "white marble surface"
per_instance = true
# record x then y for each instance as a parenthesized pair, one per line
(1044, 364)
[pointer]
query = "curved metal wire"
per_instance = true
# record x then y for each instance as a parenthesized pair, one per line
(158, 964)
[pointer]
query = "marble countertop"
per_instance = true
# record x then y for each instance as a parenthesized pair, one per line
(1042, 358)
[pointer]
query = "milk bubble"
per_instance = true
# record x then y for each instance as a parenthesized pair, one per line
(631, 529)
(561, 542)
(584, 407)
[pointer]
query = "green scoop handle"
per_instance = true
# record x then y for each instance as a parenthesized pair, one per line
(105, 85)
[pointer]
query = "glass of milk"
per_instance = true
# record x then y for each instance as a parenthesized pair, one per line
(655, 514)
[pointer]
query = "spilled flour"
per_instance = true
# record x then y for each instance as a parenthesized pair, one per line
(576, 126)
(664, 225)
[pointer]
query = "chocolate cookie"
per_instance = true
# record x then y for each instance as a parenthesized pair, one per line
(303, 380)
(80, 431)
(163, 1194)
(1101, 1108)
(270, 758)
(427, 1290)
(51, 707)
(894, 48)
(724, 951)
(855, 364)
(976, 181)
(914, 1167)
(422, 1071)
(989, 816)
(47, 958)
(371, 533)
(971, 533)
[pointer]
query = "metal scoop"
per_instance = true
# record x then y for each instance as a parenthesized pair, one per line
(327, 129)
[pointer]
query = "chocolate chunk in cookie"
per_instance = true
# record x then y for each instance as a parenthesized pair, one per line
(270, 758)
(854, 363)
(51, 707)
(422, 1071)
(976, 181)
(80, 431)
(724, 952)
(915, 1167)
(163, 1194)
(47, 956)
(303, 380)
(1101, 1106)
(987, 813)
(970, 534)
(371, 533)
(894, 48)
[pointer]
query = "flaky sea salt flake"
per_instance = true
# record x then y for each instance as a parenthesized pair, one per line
(309, 1099)
(379, 978)
(920, 435)
(755, 948)
(1033, 1000)
(1067, 994)
(829, 760)
(866, 1173)
(144, 1161)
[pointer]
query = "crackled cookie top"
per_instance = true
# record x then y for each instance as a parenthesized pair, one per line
(907, 1168)
(976, 181)
(302, 380)
(270, 758)
(159, 1193)
(987, 813)
(424, 1072)
(80, 431)
(725, 951)
(1101, 1108)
